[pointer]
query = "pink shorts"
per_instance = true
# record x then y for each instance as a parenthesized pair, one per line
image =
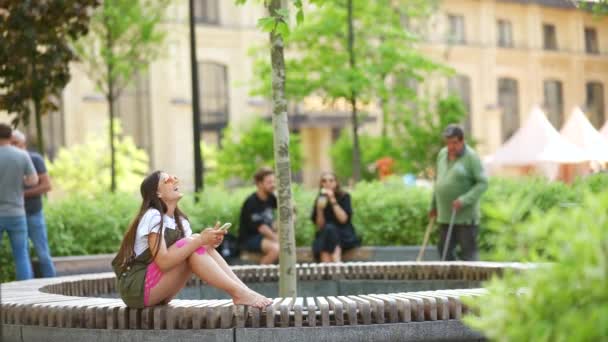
(154, 274)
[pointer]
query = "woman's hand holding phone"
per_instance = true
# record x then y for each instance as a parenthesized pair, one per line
(225, 226)
(212, 236)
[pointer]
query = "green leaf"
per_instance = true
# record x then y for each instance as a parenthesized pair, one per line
(283, 29)
(300, 16)
(266, 24)
(283, 13)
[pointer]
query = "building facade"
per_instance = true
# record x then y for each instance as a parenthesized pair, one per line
(511, 55)
(508, 56)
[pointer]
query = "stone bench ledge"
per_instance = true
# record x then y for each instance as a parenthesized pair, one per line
(72, 302)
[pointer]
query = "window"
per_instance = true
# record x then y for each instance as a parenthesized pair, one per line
(508, 100)
(213, 95)
(207, 11)
(460, 85)
(456, 33)
(549, 37)
(554, 102)
(595, 103)
(591, 45)
(505, 33)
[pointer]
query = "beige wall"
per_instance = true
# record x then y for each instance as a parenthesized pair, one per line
(479, 59)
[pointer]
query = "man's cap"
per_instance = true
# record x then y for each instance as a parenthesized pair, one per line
(453, 130)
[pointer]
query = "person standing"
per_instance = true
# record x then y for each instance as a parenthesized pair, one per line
(460, 181)
(36, 225)
(16, 169)
(257, 231)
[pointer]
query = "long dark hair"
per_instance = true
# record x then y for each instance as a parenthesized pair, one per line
(148, 190)
(338, 192)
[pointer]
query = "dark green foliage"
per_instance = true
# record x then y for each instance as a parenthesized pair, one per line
(35, 54)
(414, 149)
(390, 213)
(598, 7)
(419, 132)
(509, 202)
(243, 152)
(372, 149)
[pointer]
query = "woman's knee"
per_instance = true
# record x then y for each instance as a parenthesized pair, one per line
(196, 257)
(270, 247)
(273, 249)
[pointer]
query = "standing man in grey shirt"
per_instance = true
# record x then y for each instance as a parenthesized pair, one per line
(36, 225)
(16, 170)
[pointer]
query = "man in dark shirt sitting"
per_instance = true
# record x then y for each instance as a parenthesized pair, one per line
(257, 232)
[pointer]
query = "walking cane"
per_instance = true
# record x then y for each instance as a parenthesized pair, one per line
(426, 239)
(449, 235)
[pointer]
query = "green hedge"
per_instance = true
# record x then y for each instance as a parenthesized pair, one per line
(80, 225)
(565, 300)
(385, 214)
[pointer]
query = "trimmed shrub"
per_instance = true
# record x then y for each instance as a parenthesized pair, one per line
(565, 300)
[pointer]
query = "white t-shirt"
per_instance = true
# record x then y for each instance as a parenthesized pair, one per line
(150, 223)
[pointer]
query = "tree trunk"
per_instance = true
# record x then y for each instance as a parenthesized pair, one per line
(39, 134)
(383, 99)
(37, 101)
(287, 255)
(353, 98)
(383, 107)
(110, 97)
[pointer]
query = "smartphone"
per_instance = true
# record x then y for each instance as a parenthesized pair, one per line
(225, 226)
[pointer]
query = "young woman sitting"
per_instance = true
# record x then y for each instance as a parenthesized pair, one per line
(159, 252)
(332, 215)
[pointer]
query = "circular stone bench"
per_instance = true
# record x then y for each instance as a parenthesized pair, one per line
(44, 308)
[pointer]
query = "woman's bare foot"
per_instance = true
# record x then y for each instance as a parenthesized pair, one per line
(267, 301)
(250, 298)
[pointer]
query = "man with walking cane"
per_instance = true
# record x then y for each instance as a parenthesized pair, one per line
(459, 183)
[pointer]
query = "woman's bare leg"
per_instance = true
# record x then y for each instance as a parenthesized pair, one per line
(226, 268)
(185, 277)
(223, 265)
(206, 268)
(326, 257)
(336, 256)
(169, 284)
(270, 252)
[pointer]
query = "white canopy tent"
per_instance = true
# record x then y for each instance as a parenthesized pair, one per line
(579, 131)
(537, 145)
(604, 130)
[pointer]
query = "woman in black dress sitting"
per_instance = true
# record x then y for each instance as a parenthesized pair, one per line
(332, 215)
